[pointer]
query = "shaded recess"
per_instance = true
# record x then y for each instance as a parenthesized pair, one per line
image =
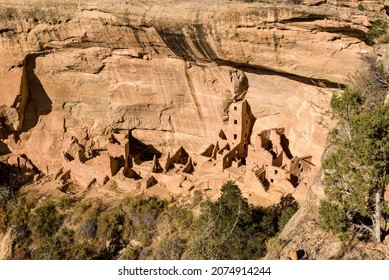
(198, 36)
(249, 112)
(142, 152)
(4, 150)
(4, 173)
(27, 160)
(208, 151)
(180, 157)
(266, 143)
(285, 146)
(38, 102)
(178, 44)
(222, 135)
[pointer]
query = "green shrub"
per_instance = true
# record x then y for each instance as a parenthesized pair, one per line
(178, 218)
(141, 216)
(139, 203)
(197, 197)
(65, 202)
(45, 221)
(377, 29)
(47, 250)
(286, 214)
(170, 249)
(62, 246)
(3, 220)
(109, 224)
(18, 210)
(88, 209)
(331, 218)
(129, 254)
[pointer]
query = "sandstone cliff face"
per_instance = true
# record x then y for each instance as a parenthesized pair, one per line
(313, 42)
(168, 70)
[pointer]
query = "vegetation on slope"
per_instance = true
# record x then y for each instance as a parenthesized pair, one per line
(356, 171)
(378, 29)
(141, 228)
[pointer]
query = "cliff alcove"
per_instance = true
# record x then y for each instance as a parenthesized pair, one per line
(166, 98)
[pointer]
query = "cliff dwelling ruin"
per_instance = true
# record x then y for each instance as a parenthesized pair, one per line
(262, 164)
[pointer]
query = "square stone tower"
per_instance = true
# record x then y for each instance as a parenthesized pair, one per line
(239, 123)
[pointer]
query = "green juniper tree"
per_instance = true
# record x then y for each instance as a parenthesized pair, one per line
(222, 228)
(356, 170)
(231, 228)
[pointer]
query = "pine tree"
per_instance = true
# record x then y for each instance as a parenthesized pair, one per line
(356, 171)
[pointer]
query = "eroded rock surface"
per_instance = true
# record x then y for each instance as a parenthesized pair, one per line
(168, 71)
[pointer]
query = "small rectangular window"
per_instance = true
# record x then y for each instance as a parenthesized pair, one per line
(271, 180)
(235, 122)
(235, 108)
(235, 136)
(275, 171)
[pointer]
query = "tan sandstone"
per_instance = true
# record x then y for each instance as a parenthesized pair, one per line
(72, 75)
